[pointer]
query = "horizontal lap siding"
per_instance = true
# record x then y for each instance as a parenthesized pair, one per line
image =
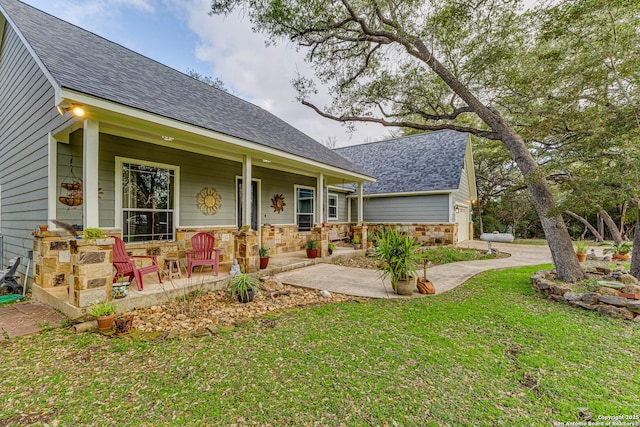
(462, 195)
(27, 116)
(410, 209)
(277, 182)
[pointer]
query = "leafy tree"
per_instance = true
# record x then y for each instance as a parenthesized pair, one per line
(427, 65)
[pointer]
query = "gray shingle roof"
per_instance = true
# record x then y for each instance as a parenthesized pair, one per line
(82, 61)
(425, 162)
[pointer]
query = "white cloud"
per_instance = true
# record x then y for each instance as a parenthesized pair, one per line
(91, 13)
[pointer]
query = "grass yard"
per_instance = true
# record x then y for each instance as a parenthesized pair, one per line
(491, 352)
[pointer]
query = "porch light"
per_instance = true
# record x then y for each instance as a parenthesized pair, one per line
(167, 138)
(77, 110)
(457, 209)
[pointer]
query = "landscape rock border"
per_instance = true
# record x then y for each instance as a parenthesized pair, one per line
(604, 303)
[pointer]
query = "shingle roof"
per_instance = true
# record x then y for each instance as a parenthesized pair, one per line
(425, 162)
(84, 62)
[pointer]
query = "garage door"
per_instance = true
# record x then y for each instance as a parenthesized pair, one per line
(462, 219)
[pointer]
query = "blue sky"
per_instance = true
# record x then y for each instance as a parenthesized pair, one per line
(181, 34)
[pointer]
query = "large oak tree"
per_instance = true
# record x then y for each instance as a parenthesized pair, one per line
(421, 64)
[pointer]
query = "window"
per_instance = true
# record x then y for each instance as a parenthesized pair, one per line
(147, 202)
(304, 208)
(332, 207)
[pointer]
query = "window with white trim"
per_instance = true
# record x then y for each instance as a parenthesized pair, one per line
(148, 211)
(305, 202)
(332, 207)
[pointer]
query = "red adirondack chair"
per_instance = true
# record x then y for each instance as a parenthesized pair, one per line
(203, 252)
(126, 266)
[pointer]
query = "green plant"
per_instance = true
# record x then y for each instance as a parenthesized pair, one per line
(399, 254)
(246, 227)
(356, 240)
(104, 308)
(93, 233)
(581, 247)
(242, 284)
(617, 248)
(332, 246)
(312, 244)
(263, 252)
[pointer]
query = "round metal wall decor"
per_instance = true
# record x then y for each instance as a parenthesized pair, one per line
(209, 201)
(277, 203)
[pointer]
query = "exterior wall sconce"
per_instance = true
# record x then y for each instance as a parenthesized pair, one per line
(77, 110)
(457, 209)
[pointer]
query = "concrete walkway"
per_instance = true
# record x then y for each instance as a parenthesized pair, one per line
(365, 283)
(25, 318)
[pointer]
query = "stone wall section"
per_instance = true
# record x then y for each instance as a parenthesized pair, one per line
(283, 238)
(246, 250)
(52, 259)
(605, 301)
(92, 271)
(433, 234)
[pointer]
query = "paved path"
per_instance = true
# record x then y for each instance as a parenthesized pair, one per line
(24, 318)
(365, 283)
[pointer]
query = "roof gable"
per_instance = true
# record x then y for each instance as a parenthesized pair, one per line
(418, 163)
(84, 62)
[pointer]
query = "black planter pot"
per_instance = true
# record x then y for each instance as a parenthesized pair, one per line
(246, 297)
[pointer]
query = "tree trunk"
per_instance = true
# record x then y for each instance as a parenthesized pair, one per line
(480, 224)
(601, 226)
(595, 233)
(622, 214)
(635, 252)
(611, 225)
(567, 266)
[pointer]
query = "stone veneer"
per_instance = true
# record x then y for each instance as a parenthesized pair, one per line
(283, 238)
(607, 304)
(246, 250)
(433, 234)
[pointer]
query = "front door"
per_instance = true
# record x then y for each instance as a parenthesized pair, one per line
(254, 205)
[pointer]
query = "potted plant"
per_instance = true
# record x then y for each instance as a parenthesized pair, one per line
(620, 250)
(243, 287)
(425, 286)
(120, 289)
(312, 249)
(356, 242)
(399, 254)
(93, 233)
(123, 325)
(581, 250)
(105, 313)
(332, 247)
(264, 257)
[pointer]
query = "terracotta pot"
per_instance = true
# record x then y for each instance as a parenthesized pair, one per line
(425, 286)
(312, 253)
(123, 325)
(582, 257)
(43, 227)
(105, 323)
(621, 257)
(264, 262)
(405, 287)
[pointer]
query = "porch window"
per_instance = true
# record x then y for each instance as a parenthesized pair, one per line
(147, 202)
(305, 201)
(332, 207)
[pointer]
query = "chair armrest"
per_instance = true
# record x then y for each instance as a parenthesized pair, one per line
(152, 257)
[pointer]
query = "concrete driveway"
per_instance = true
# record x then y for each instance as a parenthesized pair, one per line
(365, 283)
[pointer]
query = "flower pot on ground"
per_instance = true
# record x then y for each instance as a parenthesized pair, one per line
(312, 249)
(356, 242)
(399, 255)
(264, 257)
(424, 285)
(581, 251)
(332, 248)
(123, 325)
(243, 287)
(105, 314)
(620, 250)
(120, 290)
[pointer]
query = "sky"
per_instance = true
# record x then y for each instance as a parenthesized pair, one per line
(182, 35)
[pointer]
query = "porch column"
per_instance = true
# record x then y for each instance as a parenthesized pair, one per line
(320, 201)
(52, 172)
(90, 150)
(246, 190)
(360, 204)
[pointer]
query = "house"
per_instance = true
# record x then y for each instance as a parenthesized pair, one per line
(424, 183)
(96, 135)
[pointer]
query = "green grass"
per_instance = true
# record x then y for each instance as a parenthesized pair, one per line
(537, 242)
(444, 254)
(491, 352)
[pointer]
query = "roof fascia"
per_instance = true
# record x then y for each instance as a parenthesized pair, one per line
(407, 194)
(34, 55)
(244, 146)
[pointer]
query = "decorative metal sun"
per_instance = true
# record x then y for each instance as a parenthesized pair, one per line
(209, 201)
(277, 203)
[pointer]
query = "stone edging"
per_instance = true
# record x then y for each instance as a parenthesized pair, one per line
(609, 305)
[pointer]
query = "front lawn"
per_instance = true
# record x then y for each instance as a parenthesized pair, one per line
(491, 352)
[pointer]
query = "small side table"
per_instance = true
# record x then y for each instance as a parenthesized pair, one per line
(172, 267)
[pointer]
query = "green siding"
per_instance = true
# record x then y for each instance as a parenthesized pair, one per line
(277, 182)
(409, 209)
